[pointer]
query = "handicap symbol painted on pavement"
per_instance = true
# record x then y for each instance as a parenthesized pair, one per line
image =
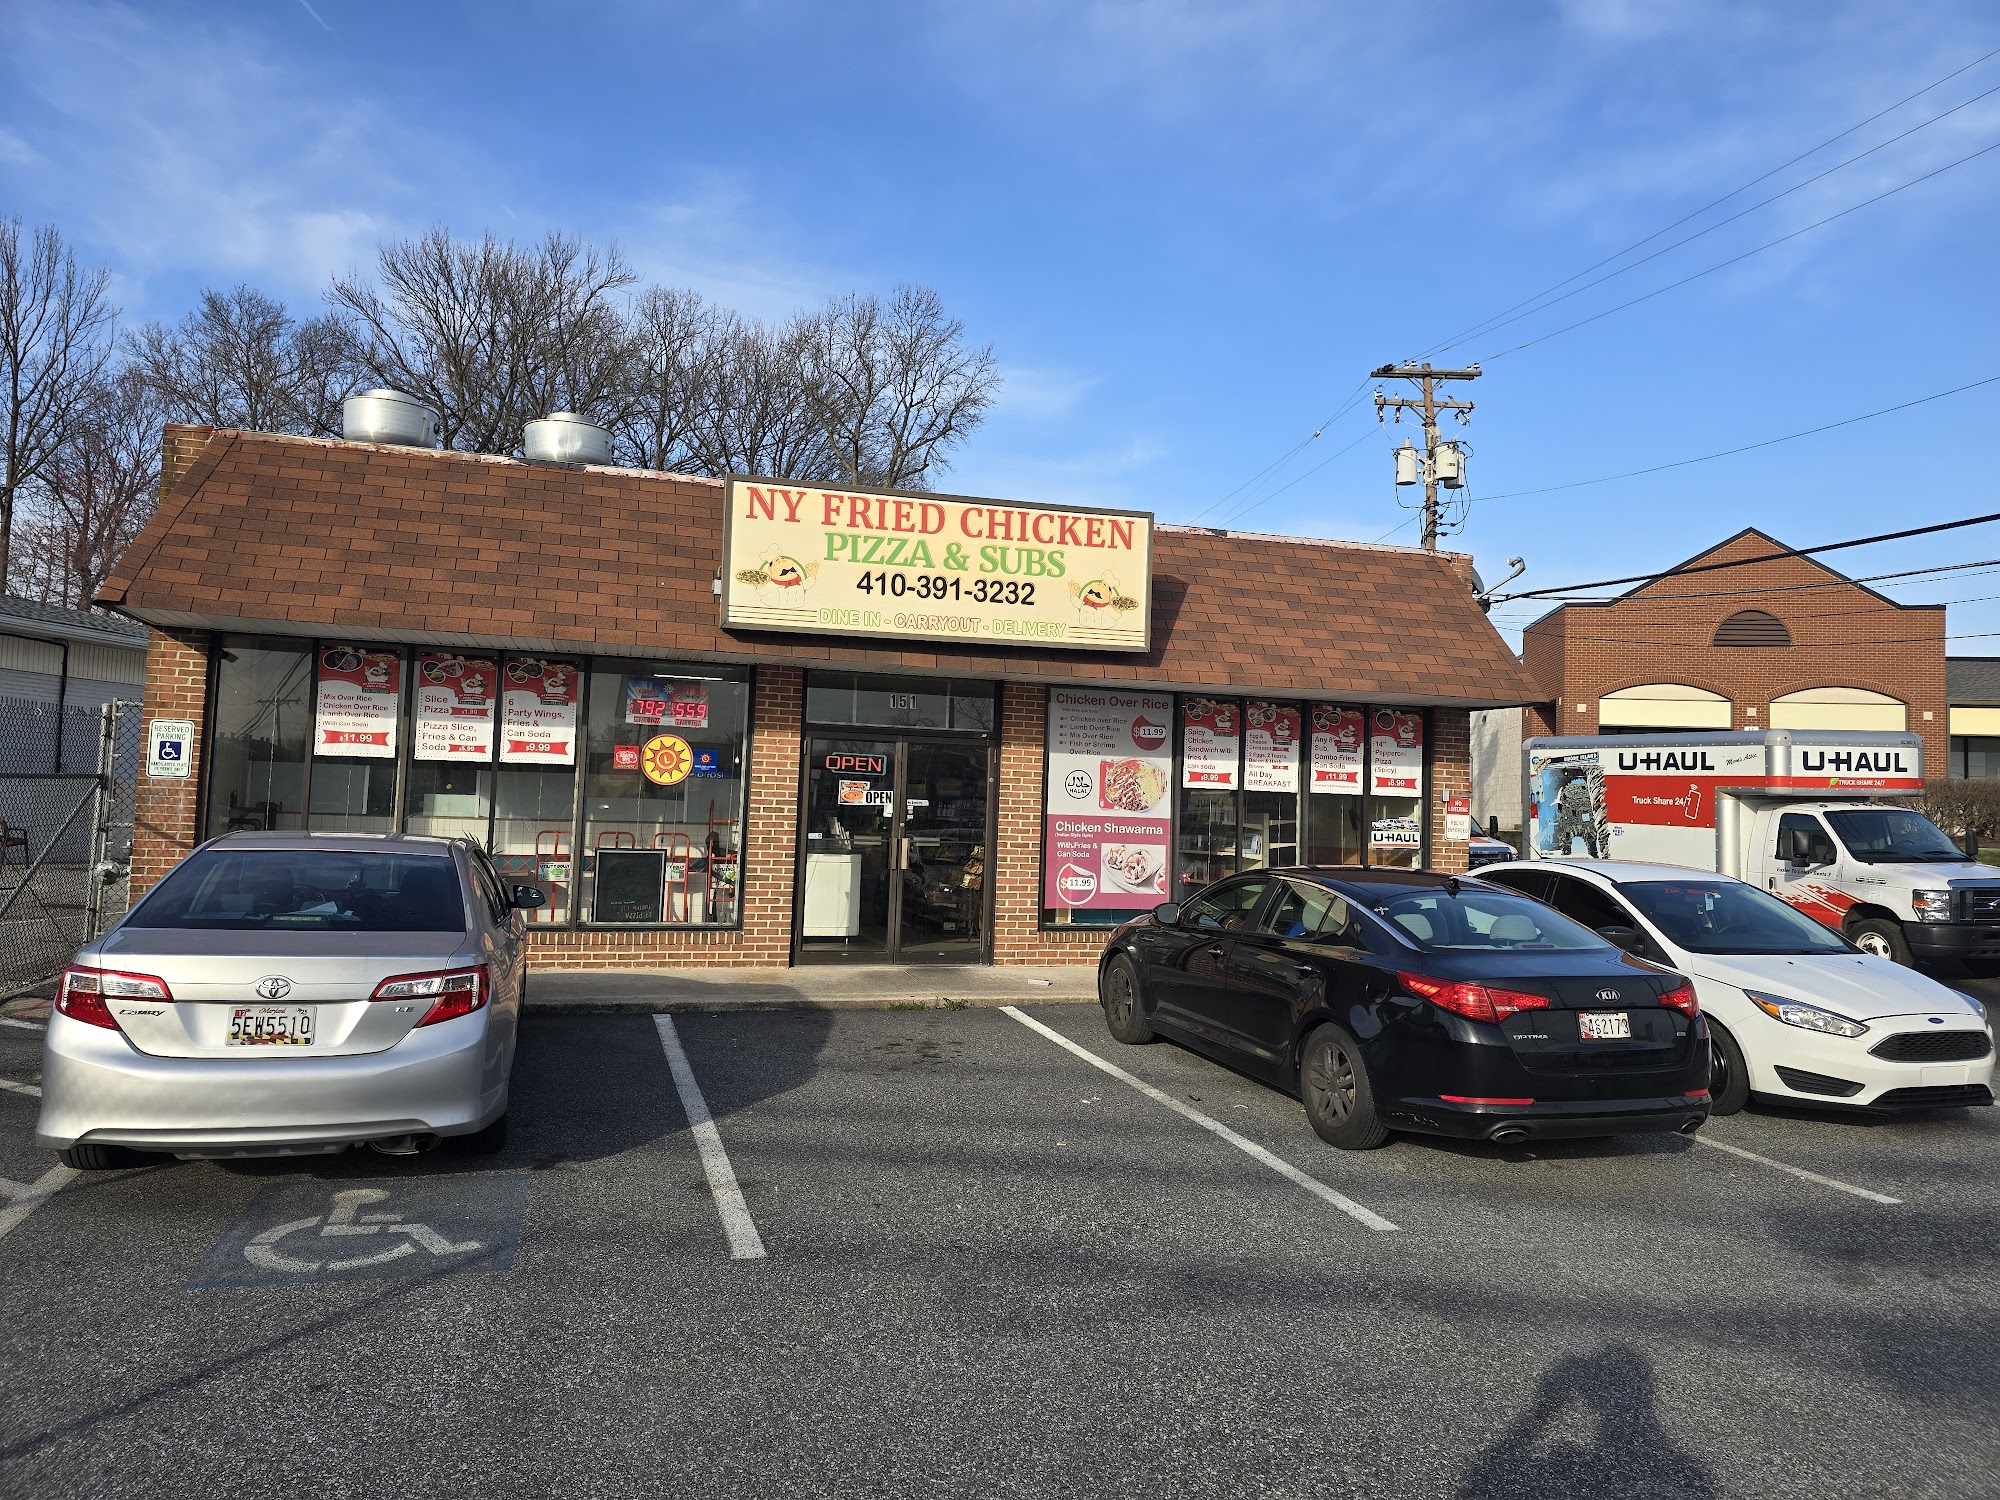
(338, 1231)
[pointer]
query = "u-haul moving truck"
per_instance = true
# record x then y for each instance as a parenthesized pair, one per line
(1809, 815)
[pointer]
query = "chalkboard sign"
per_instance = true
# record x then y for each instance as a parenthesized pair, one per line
(628, 885)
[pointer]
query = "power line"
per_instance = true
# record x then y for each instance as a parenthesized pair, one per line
(1735, 259)
(1346, 405)
(1714, 567)
(1716, 203)
(1240, 513)
(1681, 463)
(1792, 588)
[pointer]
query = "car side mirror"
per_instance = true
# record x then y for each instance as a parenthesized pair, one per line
(1802, 851)
(1167, 914)
(1629, 939)
(528, 897)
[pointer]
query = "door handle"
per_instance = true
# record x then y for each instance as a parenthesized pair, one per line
(1218, 952)
(902, 854)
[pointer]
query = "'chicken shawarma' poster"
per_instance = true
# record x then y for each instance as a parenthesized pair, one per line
(1108, 801)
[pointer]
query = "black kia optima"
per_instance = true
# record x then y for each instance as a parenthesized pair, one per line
(1408, 1000)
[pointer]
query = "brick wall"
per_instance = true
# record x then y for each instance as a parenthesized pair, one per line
(770, 849)
(163, 818)
(180, 443)
(1017, 869)
(1451, 776)
(1843, 635)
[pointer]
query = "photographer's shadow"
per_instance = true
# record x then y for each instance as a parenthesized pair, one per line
(1594, 1431)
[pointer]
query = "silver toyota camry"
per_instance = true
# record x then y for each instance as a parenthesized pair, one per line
(282, 994)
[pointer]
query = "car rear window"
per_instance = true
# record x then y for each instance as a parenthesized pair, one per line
(1437, 920)
(307, 890)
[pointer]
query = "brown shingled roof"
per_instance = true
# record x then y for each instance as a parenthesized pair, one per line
(300, 536)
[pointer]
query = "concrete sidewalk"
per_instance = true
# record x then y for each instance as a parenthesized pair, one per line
(820, 987)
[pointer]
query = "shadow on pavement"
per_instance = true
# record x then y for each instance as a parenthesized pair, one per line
(1593, 1431)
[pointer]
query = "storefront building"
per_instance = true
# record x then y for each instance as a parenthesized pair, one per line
(762, 724)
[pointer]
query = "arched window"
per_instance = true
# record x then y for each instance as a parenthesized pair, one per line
(1752, 627)
(1663, 705)
(1838, 708)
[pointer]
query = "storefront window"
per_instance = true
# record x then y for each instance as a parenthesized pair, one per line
(534, 812)
(663, 794)
(899, 702)
(353, 796)
(449, 801)
(258, 733)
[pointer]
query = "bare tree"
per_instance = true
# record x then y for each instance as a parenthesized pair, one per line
(55, 336)
(94, 495)
(757, 420)
(240, 359)
(1968, 809)
(675, 345)
(493, 335)
(894, 386)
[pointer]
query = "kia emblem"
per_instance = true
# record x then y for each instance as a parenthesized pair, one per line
(1610, 995)
(273, 987)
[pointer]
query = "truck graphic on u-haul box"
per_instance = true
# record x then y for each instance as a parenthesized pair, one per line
(1810, 815)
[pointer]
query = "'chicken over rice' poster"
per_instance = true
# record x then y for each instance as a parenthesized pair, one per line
(1108, 803)
(360, 693)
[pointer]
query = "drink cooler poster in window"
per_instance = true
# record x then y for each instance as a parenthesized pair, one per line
(1107, 804)
(1209, 743)
(1271, 747)
(538, 698)
(358, 702)
(1337, 757)
(454, 709)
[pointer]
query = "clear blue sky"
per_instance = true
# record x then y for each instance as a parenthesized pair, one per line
(1188, 230)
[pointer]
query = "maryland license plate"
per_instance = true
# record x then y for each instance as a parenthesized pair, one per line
(1604, 1026)
(270, 1026)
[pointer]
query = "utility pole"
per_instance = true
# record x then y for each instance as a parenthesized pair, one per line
(1441, 463)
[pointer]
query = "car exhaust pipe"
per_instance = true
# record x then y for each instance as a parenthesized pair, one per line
(1508, 1135)
(404, 1145)
(1689, 1127)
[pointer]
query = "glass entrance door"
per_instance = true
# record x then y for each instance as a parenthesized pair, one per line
(894, 866)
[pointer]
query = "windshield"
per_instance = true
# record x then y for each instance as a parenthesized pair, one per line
(1483, 921)
(307, 890)
(1727, 916)
(1893, 835)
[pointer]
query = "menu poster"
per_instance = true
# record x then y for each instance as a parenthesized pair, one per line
(455, 699)
(1396, 740)
(1336, 749)
(657, 700)
(1270, 748)
(1210, 733)
(538, 712)
(1108, 802)
(359, 699)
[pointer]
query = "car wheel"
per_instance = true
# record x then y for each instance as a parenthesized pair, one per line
(91, 1158)
(1881, 936)
(489, 1141)
(1339, 1100)
(1728, 1075)
(1118, 992)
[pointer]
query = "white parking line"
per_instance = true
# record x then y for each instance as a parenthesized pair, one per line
(1832, 1182)
(30, 1196)
(24, 1025)
(1277, 1164)
(20, 1088)
(744, 1243)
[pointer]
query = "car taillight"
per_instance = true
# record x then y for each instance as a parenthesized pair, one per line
(1682, 1000)
(84, 993)
(1476, 1002)
(452, 992)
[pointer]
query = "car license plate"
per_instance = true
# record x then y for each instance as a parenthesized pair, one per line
(270, 1026)
(1604, 1026)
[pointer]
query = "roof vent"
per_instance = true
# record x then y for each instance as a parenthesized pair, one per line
(1752, 627)
(385, 416)
(562, 437)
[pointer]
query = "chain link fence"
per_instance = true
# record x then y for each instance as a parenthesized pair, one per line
(67, 783)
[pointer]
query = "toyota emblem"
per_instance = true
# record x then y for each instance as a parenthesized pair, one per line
(1610, 995)
(273, 987)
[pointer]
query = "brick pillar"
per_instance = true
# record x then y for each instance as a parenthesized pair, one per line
(163, 819)
(180, 444)
(1451, 776)
(1017, 861)
(770, 846)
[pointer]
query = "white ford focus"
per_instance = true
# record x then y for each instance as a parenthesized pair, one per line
(1796, 1013)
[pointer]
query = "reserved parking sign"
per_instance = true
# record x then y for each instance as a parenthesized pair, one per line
(169, 747)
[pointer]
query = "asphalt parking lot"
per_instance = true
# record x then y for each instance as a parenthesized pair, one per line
(939, 1253)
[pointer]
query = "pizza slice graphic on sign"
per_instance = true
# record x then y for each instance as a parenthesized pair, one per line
(666, 759)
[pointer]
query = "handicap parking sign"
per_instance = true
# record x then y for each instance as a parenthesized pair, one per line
(169, 747)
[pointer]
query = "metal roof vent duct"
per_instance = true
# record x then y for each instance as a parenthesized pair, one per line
(562, 437)
(385, 416)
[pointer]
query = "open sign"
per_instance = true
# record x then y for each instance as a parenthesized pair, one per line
(859, 765)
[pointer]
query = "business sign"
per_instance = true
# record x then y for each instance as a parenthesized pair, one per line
(360, 694)
(935, 567)
(1337, 735)
(538, 712)
(170, 748)
(666, 760)
(1271, 747)
(1211, 733)
(1396, 743)
(859, 765)
(455, 701)
(1108, 799)
(1458, 818)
